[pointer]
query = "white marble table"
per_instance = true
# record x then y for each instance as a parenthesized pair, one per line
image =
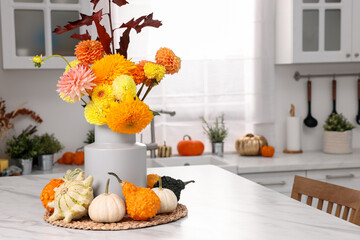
(221, 205)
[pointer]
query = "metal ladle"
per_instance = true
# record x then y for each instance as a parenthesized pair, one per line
(309, 121)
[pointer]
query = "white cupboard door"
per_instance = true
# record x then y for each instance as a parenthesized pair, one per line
(356, 30)
(322, 31)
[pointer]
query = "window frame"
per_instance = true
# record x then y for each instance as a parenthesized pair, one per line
(8, 7)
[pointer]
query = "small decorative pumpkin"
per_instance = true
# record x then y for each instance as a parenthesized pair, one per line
(141, 203)
(60, 160)
(250, 144)
(175, 185)
(190, 147)
(267, 151)
(167, 198)
(164, 151)
(151, 179)
(107, 207)
(78, 158)
(47, 195)
(72, 199)
(67, 157)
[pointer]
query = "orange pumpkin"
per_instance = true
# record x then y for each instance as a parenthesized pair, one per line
(190, 147)
(267, 151)
(47, 195)
(60, 160)
(151, 180)
(67, 157)
(78, 158)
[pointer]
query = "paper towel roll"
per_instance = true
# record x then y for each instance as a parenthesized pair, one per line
(293, 139)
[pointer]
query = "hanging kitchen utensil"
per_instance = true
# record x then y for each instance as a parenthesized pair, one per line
(358, 115)
(334, 96)
(309, 121)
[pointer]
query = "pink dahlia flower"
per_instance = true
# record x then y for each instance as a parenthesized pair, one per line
(76, 82)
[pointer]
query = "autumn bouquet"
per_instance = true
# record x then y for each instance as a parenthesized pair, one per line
(115, 87)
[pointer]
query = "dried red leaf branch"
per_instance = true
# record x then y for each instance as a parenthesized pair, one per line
(106, 39)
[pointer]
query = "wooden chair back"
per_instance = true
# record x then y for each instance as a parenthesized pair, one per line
(347, 200)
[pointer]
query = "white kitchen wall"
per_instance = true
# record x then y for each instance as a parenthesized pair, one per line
(38, 88)
(289, 91)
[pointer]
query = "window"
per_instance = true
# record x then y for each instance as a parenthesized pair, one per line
(27, 27)
(227, 65)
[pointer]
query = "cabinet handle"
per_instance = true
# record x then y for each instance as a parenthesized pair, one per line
(356, 54)
(348, 55)
(272, 183)
(340, 176)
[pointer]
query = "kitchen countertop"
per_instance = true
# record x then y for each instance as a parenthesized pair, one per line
(309, 160)
(221, 205)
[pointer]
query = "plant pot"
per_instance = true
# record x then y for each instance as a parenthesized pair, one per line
(118, 153)
(338, 142)
(25, 165)
(45, 162)
(218, 148)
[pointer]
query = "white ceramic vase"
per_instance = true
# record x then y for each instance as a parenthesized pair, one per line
(118, 153)
(338, 142)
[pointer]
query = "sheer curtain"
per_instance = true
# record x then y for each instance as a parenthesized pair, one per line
(226, 49)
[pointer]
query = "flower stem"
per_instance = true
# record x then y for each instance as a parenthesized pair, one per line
(111, 29)
(141, 88)
(149, 88)
(57, 56)
(83, 101)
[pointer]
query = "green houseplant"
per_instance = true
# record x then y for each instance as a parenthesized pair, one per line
(337, 134)
(21, 149)
(46, 146)
(216, 133)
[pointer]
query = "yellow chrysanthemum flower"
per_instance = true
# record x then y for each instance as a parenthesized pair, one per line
(122, 85)
(37, 60)
(154, 71)
(130, 116)
(94, 114)
(111, 67)
(72, 64)
(103, 96)
(66, 99)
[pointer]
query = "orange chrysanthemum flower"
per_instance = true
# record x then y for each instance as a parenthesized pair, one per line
(129, 117)
(111, 67)
(138, 75)
(142, 77)
(89, 51)
(167, 58)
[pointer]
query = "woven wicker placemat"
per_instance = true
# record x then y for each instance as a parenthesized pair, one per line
(86, 223)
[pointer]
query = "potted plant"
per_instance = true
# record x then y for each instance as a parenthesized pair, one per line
(337, 134)
(46, 146)
(216, 134)
(21, 149)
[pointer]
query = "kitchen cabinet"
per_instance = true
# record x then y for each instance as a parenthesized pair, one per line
(349, 177)
(282, 181)
(317, 31)
(27, 27)
(278, 181)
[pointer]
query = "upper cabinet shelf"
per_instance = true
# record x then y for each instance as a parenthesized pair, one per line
(317, 31)
(27, 27)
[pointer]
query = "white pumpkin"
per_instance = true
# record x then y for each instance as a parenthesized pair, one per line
(107, 207)
(167, 197)
(72, 199)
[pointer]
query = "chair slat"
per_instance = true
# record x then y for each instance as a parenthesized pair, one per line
(320, 204)
(338, 210)
(345, 213)
(352, 215)
(329, 207)
(309, 200)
